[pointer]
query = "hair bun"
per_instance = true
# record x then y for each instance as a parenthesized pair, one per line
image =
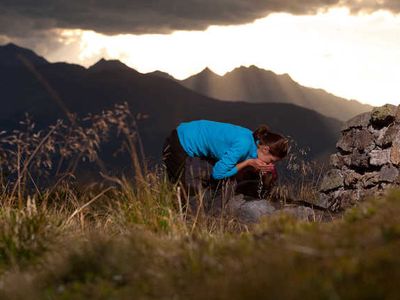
(278, 144)
(261, 131)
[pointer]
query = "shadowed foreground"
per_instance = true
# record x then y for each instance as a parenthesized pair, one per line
(131, 242)
(132, 238)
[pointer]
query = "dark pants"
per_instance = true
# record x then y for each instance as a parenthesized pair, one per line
(174, 157)
(194, 173)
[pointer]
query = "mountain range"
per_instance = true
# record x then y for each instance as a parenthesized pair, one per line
(252, 84)
(25, 89)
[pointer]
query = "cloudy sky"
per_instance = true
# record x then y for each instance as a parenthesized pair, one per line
(350, 48)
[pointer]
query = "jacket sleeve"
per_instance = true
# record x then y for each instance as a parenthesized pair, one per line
(226, 166)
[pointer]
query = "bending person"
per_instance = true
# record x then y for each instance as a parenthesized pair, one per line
(230, 148)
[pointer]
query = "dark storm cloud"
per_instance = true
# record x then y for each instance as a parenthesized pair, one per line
(373, 5)
(22, 17)
(19, 17)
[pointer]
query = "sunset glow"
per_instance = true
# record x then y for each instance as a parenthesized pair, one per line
(351, 56)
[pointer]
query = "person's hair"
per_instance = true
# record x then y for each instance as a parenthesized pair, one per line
(278, 144)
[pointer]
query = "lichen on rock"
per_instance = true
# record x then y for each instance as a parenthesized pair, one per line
(383, 115)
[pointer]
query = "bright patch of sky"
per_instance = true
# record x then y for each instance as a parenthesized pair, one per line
(351, 56)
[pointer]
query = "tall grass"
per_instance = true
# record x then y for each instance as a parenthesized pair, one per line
(130, 236)
(351, 258)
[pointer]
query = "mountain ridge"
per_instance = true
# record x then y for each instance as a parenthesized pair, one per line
(10, 55)
(253, 84)
(166, 101)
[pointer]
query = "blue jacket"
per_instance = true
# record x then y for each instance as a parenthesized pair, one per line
(226, 143)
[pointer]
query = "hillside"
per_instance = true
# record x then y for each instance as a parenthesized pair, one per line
(47, 90)
(260, 86)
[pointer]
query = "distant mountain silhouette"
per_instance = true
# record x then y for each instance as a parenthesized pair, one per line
(162, 74)
(165, 101)
(260, 86)
(10, 52)
(109, 65)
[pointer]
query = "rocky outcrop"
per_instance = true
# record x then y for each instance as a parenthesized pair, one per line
(251, 211)
(247, 209)
(367, 161)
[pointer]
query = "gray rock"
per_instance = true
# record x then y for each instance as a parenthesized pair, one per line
(378, 135)
(359, 160)
(338, 161)
(235, 203)
(348, 198)
(383, 115)
(389, 173)
(369, 142)
(397, 117)
(371, 192)
(351, 178)
(345, 143)
(386, 186)
(323, 200)
(392, 134)
(379, 157)
(252, 211)
(332, 180)
(395, 153)
(363, 140)
(356, 139)
(335, 200)
(300, 212)
(370, 179)
(359, 121)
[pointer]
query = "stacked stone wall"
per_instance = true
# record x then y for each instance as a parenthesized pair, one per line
(367, 161)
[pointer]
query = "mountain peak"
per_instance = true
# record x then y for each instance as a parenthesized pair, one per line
(11, 46)
(252, 67)
(249, 69)
(286, 76)
(161, 74)
(10, 55)
(109, 65)
(207, 72)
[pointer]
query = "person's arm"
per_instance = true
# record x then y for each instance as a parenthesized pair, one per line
(243, 164)
(228, 165)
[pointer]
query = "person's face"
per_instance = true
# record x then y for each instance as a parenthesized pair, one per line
(264, 154)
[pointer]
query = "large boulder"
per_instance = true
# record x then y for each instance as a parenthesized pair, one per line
(249, 211)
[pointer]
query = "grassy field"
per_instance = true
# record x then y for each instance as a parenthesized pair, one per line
(133, 243)
(131, 240)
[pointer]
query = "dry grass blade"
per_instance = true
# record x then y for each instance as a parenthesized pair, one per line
(78, 210)
(28, 161)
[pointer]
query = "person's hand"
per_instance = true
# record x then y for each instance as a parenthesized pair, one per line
(271, 171)
(259, 165)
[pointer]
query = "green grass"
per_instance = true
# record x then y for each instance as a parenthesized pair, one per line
(125, 240)
(134, 242)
